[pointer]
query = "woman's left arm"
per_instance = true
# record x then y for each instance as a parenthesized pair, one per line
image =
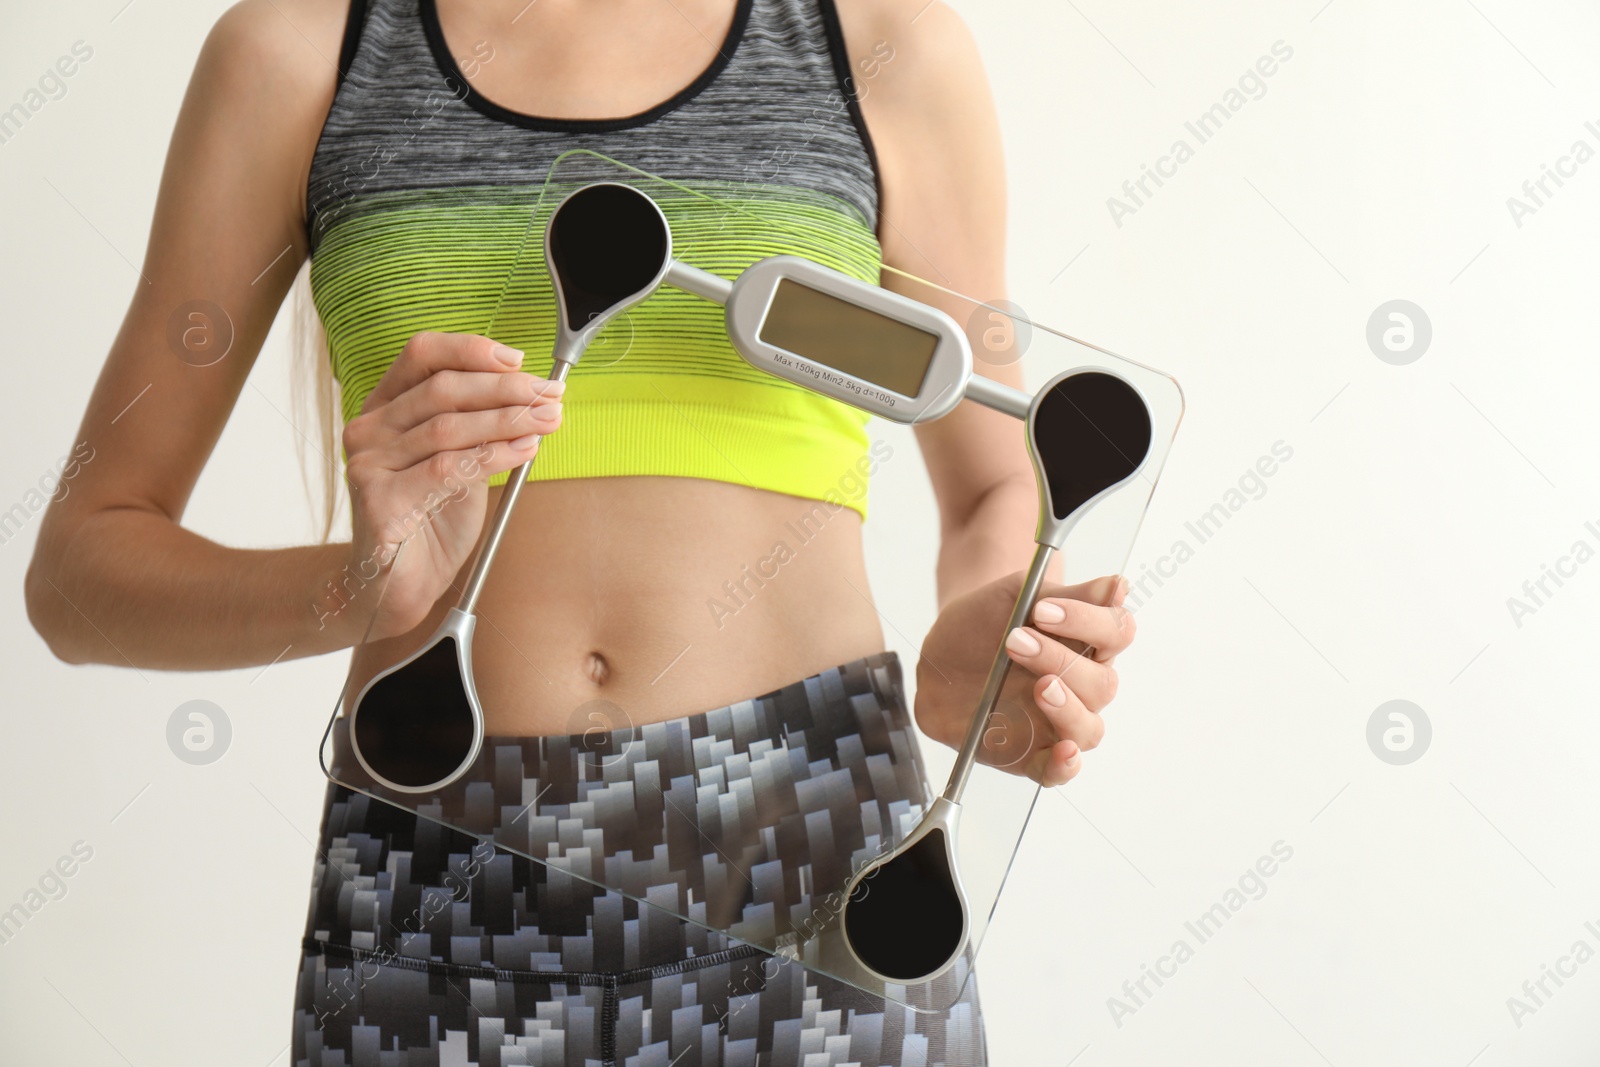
(942, 217)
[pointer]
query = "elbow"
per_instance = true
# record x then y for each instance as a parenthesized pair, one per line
(1009, 498)
(47, 611)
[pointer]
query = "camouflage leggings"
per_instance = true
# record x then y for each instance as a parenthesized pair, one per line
(427, 945)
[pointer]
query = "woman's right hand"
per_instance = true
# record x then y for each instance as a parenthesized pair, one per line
(451, 410)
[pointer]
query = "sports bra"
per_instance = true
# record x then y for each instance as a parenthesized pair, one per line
(419, 203)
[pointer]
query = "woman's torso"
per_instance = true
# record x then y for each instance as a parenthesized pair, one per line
(629, 599)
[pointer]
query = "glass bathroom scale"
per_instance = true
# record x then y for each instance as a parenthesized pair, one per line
(750, 820)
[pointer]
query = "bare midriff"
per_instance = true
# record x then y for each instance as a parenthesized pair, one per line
(630, 600)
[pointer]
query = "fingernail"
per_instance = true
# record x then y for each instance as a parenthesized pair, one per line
(522, 444)
(511, 357)
(549, 388)
(1055, 694)
(1047, 611)
(1122, 591)
(1073, 751)
(1022, 642)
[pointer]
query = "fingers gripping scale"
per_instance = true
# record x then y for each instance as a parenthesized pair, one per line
(417, 726)
(905, 916)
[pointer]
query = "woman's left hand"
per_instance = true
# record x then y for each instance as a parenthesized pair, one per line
(1049, 710)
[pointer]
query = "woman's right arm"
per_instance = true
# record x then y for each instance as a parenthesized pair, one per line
(115, 578)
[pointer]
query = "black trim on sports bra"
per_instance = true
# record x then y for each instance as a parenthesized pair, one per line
(353, 21)
(840, 55)
(459, 84)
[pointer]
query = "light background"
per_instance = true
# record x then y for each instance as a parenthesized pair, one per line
(1375, 566)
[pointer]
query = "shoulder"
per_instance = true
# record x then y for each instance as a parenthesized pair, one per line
(289, 42)
(923, 91)
(926, 103)
(275, 59)
(263, 83)
(910, 54)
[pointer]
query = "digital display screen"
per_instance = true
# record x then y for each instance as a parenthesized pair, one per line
(848, 338)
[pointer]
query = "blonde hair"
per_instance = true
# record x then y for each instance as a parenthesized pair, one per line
(314, 397)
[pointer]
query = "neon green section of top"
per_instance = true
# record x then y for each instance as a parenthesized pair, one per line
(661, 391)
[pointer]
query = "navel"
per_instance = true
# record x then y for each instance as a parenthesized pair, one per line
(596, 667)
